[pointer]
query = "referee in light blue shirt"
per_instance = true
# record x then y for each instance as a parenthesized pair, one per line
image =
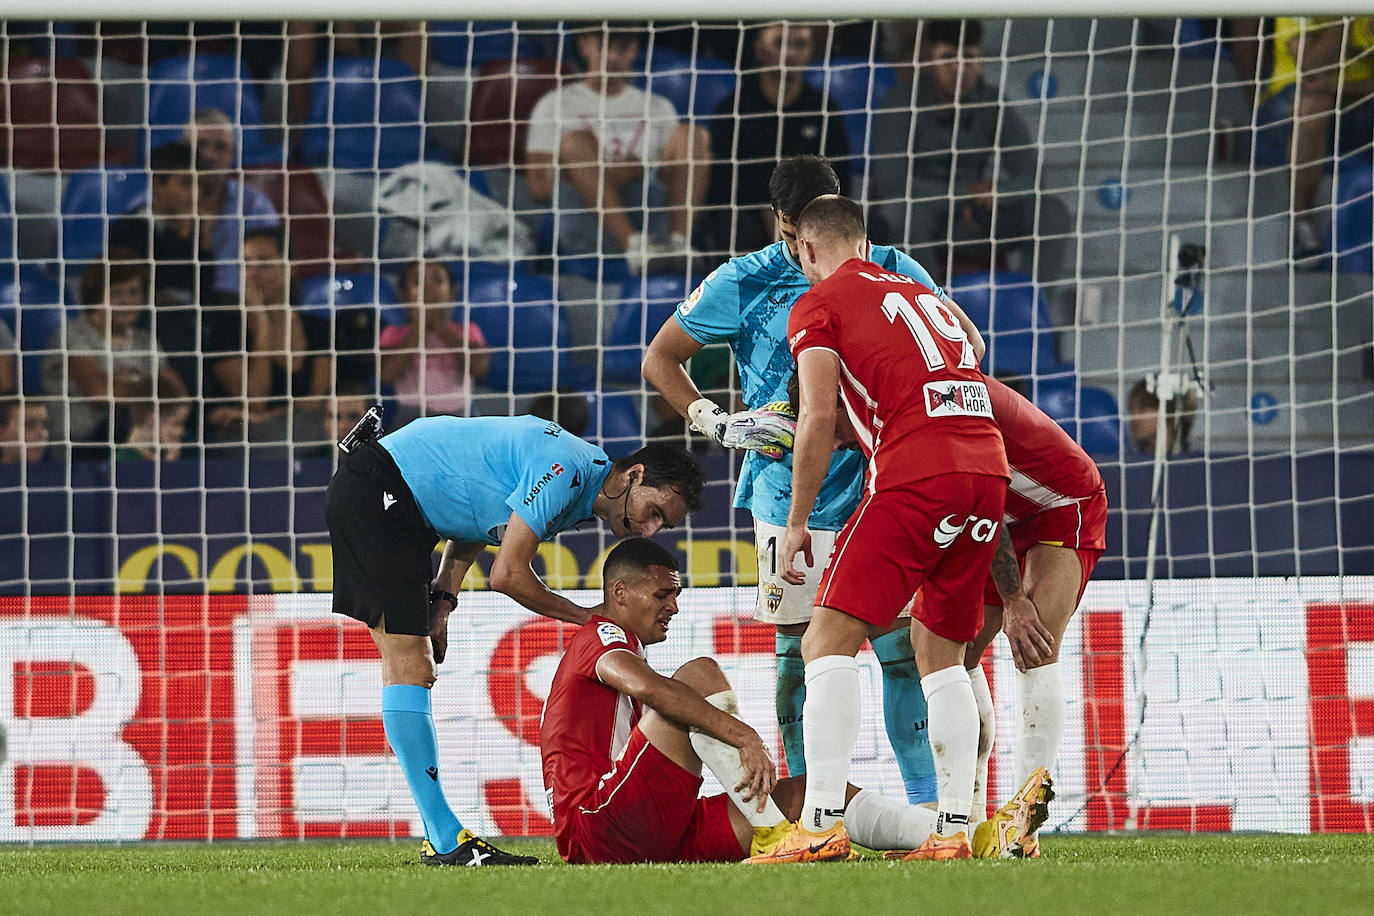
(746, 302)
(510, 482)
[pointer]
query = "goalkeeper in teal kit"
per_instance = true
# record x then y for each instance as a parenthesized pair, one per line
(746, 301)
(508, 482)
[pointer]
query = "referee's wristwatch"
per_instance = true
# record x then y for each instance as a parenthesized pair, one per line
(436, 593)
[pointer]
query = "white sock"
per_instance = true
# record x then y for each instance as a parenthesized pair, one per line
(830, 726)
(987, 734)
(723, 760)
(953, 719)
(885, 823)
(1042, 719)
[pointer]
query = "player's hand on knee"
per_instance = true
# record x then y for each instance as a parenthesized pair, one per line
(794, 541)
(760, 776)
(1032, 643)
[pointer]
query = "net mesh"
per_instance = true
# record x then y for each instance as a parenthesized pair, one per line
(451, 218)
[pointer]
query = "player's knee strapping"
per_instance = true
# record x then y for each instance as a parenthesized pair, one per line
(904, 711)
(790, 696)
(409, 726)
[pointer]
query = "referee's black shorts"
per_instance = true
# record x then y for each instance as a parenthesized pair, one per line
(383, 548)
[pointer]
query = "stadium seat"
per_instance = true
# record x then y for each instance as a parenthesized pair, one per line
(472, 45)
(7, 239)
(300, 196)
(364, 114)
(90, 201)
(695, 86)
(1353, 226)
(615, 422)
(645, 304)
(31, 304)
(524, 328)
(33, 87)
(178, 87)
(1088, 414)
(503, 95)
(1015, 318)
(854, 86)
(353, 290)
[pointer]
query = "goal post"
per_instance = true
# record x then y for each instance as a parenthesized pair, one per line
(1112, 199)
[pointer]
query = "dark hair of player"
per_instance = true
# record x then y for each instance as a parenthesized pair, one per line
(833, 218)
(798, 180)
(629, 561)
(669, 466)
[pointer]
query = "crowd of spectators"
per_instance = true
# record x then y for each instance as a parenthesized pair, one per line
(192, 326)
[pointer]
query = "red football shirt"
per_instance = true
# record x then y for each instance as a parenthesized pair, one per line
(1048, 468)
(908, 375)
(585, 724)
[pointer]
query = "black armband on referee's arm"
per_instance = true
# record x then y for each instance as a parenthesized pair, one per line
(436, 593)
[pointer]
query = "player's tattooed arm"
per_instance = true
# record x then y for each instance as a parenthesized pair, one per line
(1006, 572)
(1030, 640)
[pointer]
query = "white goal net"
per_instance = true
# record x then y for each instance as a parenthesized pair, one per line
(223, 240)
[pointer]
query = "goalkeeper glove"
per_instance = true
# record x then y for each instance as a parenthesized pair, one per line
(769, 430)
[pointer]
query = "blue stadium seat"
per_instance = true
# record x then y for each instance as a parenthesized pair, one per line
(695, 86)
(1015, 319)
(178, 87)
(90, 201)
(325, 294)
(855, 86)
(645, 304)
(450, 43)
(31, 304)
(524, 328)
(7, 240)
(364, 114)
(1088, 414)
(615, 423)
(1353, 227)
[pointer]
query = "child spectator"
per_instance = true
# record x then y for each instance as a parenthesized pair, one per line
(156, 427)
(23, 430)
(318, 431)
(1180, 393)
(102, 360)
(434, 374)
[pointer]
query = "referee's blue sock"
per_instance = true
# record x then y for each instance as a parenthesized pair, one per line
(904, 711)
(410, 729)
(791, 694)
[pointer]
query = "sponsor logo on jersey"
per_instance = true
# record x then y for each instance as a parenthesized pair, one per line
(980, 529)
(542, 482)
(796, 338)
(781, 297)
(692, 299)
(387, 501)
(610, 634)
(957, 399)
(772, 597)
(553, 429)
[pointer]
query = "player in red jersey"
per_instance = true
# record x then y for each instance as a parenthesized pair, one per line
(935, 490)
(623, 746)
(1055, 530)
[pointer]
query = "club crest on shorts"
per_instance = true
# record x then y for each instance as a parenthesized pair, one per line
(610, 633)
(772, 597)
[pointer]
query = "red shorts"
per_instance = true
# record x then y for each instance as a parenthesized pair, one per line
(647, 810)
(941, 531)
(1081, 528)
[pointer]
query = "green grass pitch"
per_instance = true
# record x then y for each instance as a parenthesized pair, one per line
(1123, 874)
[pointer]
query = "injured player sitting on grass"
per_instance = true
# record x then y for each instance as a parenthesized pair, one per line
(623, 747)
